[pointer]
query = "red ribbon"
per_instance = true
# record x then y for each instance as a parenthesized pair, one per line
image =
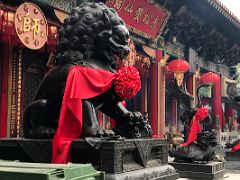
(82, 83)
(200, 115)
(235, 148)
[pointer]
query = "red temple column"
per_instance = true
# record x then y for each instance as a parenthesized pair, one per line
(154, 98)
(144, 93)
(217, 104)
(190, 85)
(157, 98)
(4, 91)
(162, 100)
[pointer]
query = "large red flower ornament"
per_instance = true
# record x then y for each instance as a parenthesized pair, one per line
(127, 82)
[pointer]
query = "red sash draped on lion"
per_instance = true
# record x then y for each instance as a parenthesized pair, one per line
(91, 43)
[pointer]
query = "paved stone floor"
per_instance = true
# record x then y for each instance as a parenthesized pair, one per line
(233, 171)
(230, 175)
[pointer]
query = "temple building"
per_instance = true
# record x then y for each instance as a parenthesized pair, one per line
(23, 62)
(206, 35)
(209, 35)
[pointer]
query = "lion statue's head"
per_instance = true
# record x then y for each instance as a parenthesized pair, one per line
(93, 31)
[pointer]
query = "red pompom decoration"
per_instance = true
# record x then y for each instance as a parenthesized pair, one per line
(127, 82)
(201, 113)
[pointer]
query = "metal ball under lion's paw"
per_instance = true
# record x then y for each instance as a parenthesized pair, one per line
(135, 127)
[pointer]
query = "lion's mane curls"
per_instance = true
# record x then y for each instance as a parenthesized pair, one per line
(76, 38)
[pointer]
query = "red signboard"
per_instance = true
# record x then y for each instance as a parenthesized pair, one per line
(31, 25)
(143, 16)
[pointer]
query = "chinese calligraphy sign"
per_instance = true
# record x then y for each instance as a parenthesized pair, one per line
(144, 17)
(31, 26)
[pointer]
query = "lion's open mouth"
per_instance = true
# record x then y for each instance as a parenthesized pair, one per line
(118, 59)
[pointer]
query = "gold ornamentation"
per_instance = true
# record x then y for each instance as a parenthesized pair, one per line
(31, 26)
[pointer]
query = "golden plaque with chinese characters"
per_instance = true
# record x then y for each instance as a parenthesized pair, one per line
(31, 26)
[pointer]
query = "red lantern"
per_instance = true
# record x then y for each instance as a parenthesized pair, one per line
(210, 77)
(178, 67)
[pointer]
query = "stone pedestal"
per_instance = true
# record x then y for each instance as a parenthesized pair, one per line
(131, 158)
(211, 170)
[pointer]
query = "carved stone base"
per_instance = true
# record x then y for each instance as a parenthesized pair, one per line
(164, 172)
(211, 170)
(111, 156)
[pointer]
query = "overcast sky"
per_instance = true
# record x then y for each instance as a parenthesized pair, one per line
(233, 5)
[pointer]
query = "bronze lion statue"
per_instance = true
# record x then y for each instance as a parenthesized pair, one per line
(197, 152)
(92, 36)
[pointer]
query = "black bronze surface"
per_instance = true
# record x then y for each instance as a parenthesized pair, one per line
(93, 35)
(211, 170)
(200, 151)
(188, 115)
(234, 143)
(179, 93)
